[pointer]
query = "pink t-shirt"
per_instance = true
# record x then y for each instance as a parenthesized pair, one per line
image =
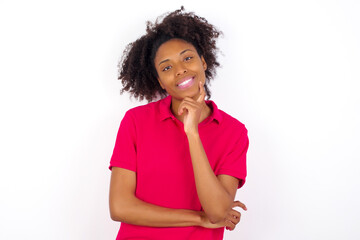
(152, 143)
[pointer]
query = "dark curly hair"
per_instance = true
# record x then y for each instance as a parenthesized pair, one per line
(137, 70)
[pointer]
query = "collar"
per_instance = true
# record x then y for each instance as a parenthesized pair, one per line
(165, 111)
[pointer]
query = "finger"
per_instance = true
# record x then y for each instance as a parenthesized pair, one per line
(182, 107)
(234, 219)
(189, 99)
(234, 216)
(202, 92)
(239, 204)
(230, 226)
(188, 105)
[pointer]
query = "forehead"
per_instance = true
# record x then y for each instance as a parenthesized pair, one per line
(172, 48)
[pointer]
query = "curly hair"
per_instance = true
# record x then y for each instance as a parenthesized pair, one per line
(137, 69)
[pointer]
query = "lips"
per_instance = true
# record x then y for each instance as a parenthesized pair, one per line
(185, 82)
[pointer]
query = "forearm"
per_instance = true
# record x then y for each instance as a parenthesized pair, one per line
(137, 212)
(215, 200)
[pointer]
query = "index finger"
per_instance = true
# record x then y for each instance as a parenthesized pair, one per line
(202, 92)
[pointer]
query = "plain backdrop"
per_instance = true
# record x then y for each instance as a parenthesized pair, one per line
(290, 73)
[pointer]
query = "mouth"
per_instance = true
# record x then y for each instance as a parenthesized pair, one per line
(186, 82)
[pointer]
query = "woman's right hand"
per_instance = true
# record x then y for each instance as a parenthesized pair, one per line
(232, 218)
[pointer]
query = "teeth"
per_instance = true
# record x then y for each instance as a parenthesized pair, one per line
(185, 82)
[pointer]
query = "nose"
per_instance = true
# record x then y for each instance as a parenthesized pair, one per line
(180, 69)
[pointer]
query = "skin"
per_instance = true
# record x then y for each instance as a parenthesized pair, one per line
(175, 61)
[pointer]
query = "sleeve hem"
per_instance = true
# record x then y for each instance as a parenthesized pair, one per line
(241, 177)
(122, 166)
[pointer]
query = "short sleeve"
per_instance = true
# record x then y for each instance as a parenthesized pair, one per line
(234, 163)
(124, 154)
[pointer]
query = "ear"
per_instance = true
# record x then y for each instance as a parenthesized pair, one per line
(203, 62)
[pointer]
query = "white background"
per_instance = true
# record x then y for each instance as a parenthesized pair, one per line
(290, 73)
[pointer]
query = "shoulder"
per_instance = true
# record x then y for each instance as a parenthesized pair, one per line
(230, 128)
(146, 111)
(231, 123)
(234, 131)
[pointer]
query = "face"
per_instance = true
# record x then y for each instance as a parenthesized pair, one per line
(179, 68)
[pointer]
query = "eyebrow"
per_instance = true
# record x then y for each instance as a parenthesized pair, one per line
(182, 52)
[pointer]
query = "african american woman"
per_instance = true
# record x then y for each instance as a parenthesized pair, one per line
(177, 161)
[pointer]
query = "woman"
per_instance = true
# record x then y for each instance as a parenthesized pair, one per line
(178, 161)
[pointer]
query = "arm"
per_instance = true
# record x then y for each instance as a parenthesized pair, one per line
(126, 207)
(216, 194)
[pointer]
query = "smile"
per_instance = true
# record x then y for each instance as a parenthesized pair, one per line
(186, 83)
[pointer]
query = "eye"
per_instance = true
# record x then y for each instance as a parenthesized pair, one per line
(188, 58)
(166, 68)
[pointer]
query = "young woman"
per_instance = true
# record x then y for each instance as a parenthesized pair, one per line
(178, 161)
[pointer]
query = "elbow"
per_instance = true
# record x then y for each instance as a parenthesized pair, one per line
(114, 218)
(215, 220)
(216, 217)
(121, 207)
(117, 212)
(218, 214)
(115, 215)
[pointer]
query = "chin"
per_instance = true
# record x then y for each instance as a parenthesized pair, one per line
(192, 93)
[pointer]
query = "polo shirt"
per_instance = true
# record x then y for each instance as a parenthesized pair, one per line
(152, 142)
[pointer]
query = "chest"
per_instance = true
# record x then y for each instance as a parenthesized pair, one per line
(164, 149)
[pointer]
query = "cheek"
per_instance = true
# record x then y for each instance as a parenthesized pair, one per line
(163, 81)
(202, 70)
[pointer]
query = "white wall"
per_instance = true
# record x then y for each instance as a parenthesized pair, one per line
(290, 72)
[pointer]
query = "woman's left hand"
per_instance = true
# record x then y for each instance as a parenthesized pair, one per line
(231, 220)
(192, 110)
